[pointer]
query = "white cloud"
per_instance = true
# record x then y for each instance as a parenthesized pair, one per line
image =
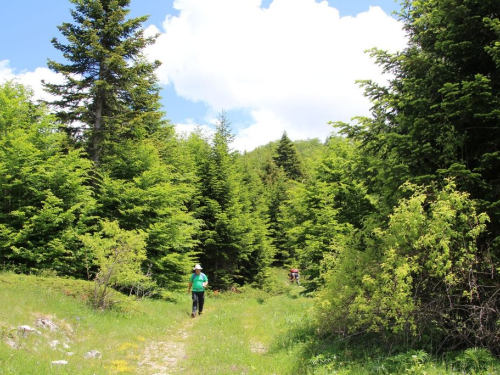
(267, 125)
(190, 126)
(32, 79)
(293, 65)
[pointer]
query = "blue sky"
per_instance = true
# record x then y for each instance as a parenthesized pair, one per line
(280, 65)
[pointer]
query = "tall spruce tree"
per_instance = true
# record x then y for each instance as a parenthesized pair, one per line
(218, 206)
(256, 240)
(282, 171)
(277, 193)
(323, 210)
(110, 91)
(438, 117)
(234, 245)
(287, 158)
(45, 198)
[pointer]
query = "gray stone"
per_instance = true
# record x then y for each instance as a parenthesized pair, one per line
(47, 324)
(61, 362)
(26, 330)
(53, 344)
(92, 354)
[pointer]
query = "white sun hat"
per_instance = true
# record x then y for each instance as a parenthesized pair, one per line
(198, 267)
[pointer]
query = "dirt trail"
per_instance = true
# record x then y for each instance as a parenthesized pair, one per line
(166, 357)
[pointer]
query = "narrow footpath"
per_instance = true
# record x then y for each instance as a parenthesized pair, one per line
(166, 357)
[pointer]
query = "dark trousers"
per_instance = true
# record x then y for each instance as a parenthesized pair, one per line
(198, 301)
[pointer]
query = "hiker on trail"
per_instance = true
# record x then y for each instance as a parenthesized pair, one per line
(294, 276)
(197, 283)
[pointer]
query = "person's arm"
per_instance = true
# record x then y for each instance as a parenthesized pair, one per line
(205, 284)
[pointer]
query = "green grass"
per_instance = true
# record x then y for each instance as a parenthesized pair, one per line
(252, 332)
(119, 336)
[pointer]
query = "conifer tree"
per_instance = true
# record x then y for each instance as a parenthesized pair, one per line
(254, 263)
(233, 242)
(218, 206)
(287, 158)
(45, 198)
(439, 115)
(329, 205)
(277, 193)
(281, 171)
(110, 91)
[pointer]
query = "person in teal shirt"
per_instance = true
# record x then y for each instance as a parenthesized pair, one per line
(197, 284)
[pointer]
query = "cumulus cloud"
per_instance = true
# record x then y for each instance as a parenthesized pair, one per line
(184, 129)
(32, 79)
(293, 66)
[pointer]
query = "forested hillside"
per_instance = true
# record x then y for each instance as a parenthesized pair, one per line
(394, 220)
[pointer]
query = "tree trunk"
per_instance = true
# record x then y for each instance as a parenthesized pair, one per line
(96, 145)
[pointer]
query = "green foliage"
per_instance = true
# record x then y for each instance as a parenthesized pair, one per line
(277, 190)
(46, 201)
(147, 185)
(281, 167)
(277, 283)
(312, 227)
(436, 118)
(413, 277)
(110, 91)
(439, 116)
(412, 362)
(476, 359)
(256, 259)
(234, 245)
(287, 158)
(153, 203)
(118, 255)
(322, 211)
(17, 112)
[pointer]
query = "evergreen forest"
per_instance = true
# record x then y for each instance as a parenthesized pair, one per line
(393, 221)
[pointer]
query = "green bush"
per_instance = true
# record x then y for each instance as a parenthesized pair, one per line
(475, 359)
(415, 277)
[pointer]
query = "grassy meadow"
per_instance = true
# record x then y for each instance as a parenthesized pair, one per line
(243, 332)
(119, 336)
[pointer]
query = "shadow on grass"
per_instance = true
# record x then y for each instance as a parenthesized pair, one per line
(316, 353)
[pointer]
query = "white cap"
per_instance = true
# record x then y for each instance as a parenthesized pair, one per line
(198, 267)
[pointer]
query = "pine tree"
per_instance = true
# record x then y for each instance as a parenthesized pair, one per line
(254, 262)
(329, 205)
(287, 158)
(439, 116)
(218, 206)
(110, 91)
(234, 244)
(45, 198)
(277, 193)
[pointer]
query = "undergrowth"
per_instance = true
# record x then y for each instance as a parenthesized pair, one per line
(246, 331)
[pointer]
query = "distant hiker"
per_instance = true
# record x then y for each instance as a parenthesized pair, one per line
(197, 282)
(294, 275)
